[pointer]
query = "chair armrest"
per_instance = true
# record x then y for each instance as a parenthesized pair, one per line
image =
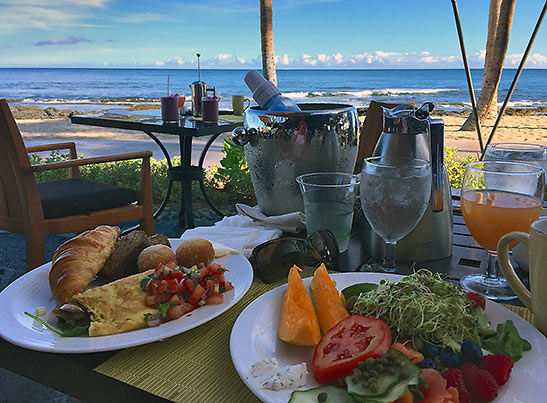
(54, 146)
(88, 161)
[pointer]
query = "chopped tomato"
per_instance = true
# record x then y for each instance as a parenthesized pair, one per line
(196, 295)
(188, 285)
(176, 299)
(174, 276)
(151, 300)
(215, 299)
(172, 285)
(351, 340)
(175, 312)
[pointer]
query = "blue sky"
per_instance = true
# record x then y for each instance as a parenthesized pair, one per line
(307, 34)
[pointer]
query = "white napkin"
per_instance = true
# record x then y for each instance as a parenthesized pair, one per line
(290, 222)
(235, 234)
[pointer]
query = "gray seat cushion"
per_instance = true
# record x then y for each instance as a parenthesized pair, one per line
(69, 197)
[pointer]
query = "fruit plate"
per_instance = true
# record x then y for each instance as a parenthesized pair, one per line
(32, 290)
(254, 338)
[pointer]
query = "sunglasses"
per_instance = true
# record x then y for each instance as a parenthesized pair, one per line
(272, 260)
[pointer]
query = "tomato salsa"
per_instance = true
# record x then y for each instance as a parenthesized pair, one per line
(175, 290)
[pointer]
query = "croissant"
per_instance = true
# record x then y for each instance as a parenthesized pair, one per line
(79, 259)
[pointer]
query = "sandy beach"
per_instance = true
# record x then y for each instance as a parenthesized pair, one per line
(93, 141)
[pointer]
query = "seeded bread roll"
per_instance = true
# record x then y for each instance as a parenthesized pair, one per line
(156, 239)
(123, 261)
(195, 251)
(152, 256)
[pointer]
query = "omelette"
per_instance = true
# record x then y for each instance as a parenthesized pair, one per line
(116, 307)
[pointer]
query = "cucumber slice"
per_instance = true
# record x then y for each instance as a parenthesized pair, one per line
(390, 386)
(324, 394)
(357, 289)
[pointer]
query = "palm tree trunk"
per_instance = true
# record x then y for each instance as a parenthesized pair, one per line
(266, 34)
(500, 20)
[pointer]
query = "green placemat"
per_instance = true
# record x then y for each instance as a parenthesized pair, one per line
(196, 366)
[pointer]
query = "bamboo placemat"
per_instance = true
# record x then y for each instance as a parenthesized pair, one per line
(196, 366)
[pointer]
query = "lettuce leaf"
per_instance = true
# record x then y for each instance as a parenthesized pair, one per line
(507, 341)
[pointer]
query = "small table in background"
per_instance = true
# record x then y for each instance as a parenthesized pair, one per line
(186, 129)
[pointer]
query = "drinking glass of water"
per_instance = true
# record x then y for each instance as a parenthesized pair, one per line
(394, 195)
(329, 199)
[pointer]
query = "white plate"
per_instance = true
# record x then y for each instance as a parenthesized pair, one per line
(254, 338)
(32, 290)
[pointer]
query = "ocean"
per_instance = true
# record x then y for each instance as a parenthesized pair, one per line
(82, 88)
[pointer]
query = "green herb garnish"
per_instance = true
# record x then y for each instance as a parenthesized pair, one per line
(163, 308)
(144, 282)
(422, 307)
(68, 332)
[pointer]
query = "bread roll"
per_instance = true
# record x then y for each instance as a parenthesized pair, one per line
(79, 259)
(123, 260)
(152, 256)
(195, 251)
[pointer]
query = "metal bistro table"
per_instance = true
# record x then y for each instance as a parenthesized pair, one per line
(186, 129)
(78, 374)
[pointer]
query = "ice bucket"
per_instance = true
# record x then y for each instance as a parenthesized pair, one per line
(280, 146)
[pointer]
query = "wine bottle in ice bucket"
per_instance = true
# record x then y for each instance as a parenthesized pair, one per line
(266, 94)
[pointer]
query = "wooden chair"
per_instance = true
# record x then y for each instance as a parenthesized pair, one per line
(69, 205)
(371, 131)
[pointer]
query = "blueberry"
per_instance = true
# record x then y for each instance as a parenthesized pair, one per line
(450, 360)
(430, 350)
(471, 352)
(427, 363)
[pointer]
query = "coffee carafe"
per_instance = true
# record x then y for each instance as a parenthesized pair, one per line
(410, 133)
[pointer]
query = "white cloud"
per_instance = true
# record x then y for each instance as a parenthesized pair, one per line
(18, 15)
(139, 18)
(223, 57)
(282, 60)
(159, 63)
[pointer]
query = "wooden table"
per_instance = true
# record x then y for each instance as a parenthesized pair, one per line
(75, 375)
(186, 129)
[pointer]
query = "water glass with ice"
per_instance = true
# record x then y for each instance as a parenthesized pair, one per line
(394, 196)
(329, 199)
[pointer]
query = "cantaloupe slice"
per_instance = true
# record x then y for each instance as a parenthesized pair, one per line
(328, 304)
(298, 323)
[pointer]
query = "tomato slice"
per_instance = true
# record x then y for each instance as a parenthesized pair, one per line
(351, 340)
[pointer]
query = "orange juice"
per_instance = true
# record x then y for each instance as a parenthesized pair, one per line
(491, 214)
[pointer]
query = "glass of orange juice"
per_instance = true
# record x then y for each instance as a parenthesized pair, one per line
(497, 198)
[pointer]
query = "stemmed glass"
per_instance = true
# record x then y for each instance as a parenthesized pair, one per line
(497, 198)
(394, 196)
(517, 152)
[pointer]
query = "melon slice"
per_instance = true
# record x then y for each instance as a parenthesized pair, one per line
(329, 305)
(298, 323)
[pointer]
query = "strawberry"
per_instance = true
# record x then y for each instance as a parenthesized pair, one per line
(499, 366)
(454, 378)
(481, 385)
(477, 299)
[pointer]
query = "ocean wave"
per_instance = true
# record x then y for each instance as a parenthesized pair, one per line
(525, 103)
(370, 92)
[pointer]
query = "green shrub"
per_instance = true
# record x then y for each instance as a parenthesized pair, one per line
(455, 166)
(233, 173)
(225, 184)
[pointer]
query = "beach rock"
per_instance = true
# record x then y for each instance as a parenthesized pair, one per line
(35, 112)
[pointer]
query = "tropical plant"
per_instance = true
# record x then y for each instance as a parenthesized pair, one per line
(500, 19)
(266, 36)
